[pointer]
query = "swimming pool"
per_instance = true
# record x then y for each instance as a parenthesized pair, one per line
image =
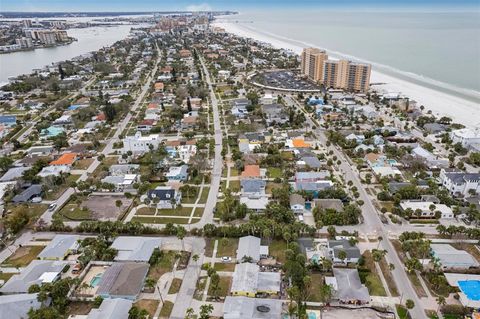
(471, 288)
(312, 315)
(96, 280)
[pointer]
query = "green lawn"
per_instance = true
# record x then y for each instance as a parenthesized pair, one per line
(204, 195)
(163, 220)
(166, 309)
(145, 211)
(175, 286)
(224, 267)
(234, 186)
(277, 249)
(199, 212)
(74, 212)
(274, 172)
(270, 186)
(223, 287)
(34, 211)
(233, 172)
(227, 247)
(183, 211)
(164, 265)
(23, 256)
(369, 276)
(317, 282)
(402, 312)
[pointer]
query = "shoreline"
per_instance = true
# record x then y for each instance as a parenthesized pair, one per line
(440, 102)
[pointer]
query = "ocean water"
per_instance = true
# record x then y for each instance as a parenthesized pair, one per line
(441, 49)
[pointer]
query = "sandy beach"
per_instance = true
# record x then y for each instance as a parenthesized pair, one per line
(440, 103)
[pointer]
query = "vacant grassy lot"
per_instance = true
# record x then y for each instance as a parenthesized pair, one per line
(149, 305)
(164, 220)
(83, 163)
(183, 211)
(389, 278)
(369, 277)
(73, 211)
(223, 287)
(164, 265)
(274, 172)
(227, 247)
(55, 193)
(23, 256)
(224, 267)
(270, 186)
(317, 282)
(277, 249)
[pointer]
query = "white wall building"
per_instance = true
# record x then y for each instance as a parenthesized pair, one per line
(460, 183)
(139, 144)
(467, 137)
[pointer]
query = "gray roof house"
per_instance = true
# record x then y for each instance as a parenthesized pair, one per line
(13, 174)
(275, 113)
(349, 287)
(250, 246)
(132, 248)
(37, 272)
(17, 306)
(252, 308)
(123, 280)
(165, 196)
(336, 246)
(253, 186)
(248, 281)
(27, 194)
(297, 203)
(124, 169)
(111, 309)
(311, 161)
(60, 247)
(450, 257)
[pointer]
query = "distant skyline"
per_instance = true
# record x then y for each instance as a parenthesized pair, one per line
(189, 5)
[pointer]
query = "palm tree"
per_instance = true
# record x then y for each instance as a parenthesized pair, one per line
(287, 236)
(441, 301)
(380, 238)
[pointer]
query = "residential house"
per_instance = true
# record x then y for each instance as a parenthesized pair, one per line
(135, 248)
(250, 247)
(122, 183)
(63, 121)
(123, 169)
(123, 280)
(177, 173)
(17, 306)
(452, 258)
(421, 209)
(117, 308)
(29, 193)
(37, 272)
(60, 247)
(145, 125)
(252, 308)
(309, 162)
(138, 144)
(253, 194)
(42, 150)
(189, 122)
(158, 87)
(165, 197)
(267, 99)
(348, 287)
(66, 159)
(297, 203)
(460, 183)
(275, 114)
(429, 159)
(55, 170)
(252, 171)
(335, 247)
(468, 138)
(8, 120)
(249, 281)
(239, 107)
(14, 173)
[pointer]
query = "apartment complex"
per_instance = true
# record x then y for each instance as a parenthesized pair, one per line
(313, 61)
(338, 74)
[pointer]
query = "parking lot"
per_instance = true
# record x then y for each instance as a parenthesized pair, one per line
(286, 80)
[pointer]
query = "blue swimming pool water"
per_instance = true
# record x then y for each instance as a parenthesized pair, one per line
(312, 315)
(471, 288)
(96, 280)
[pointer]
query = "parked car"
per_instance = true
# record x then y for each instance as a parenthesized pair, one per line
(226, 259)
(52, 206)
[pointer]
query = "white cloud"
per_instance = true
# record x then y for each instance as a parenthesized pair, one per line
(199, 7)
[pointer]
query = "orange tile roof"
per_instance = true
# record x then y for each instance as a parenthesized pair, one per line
(159, 86)
(251, 171)
(372, 157)
(152, 106)
(299, 142)
(65, 159)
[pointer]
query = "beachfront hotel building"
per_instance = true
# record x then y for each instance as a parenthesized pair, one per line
(337, 74)
(313, 61)
(347, 75)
